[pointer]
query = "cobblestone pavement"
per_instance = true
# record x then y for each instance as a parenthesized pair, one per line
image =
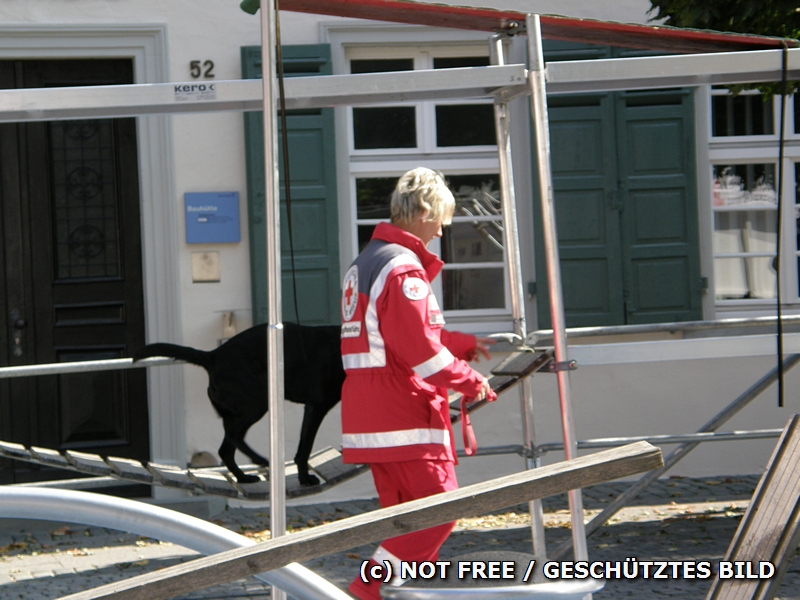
(674, 520)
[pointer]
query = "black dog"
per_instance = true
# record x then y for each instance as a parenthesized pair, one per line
(237, 385)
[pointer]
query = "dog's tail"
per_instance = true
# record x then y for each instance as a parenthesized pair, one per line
(190, 355)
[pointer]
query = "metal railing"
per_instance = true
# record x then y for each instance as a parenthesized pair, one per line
(111, 364)
(534, 337)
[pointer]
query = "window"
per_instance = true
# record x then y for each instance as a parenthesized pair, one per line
(745, 231)
(456, 137)
(745, 114)
(471, 247)
(744, 174)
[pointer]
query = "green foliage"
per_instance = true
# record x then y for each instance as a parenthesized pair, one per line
(250, 6)
(778, 18)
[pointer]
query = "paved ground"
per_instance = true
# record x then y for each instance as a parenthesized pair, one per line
(675, 520)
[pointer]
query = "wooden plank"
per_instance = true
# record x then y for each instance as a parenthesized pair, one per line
(770, 529)
(88, 463)
(214, 483)
(48, 456)
(470, 501)
(12, 450)
(130, 469)
(329, 466)
(171, 476)
(255, 491)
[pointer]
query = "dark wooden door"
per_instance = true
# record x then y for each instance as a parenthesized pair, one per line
(71, 273)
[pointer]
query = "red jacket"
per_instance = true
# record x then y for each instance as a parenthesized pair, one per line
(398, 359)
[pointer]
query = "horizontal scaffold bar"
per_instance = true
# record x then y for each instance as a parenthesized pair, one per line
(247, 95)
(670, 71)
(503, 82)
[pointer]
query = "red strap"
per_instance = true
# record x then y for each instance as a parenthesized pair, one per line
(470, 443)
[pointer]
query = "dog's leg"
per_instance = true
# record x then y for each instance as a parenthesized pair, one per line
(312, 419)
(227, 452)
(252, 454)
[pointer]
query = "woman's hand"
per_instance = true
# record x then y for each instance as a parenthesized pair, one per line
(482, 347)
(485, 389)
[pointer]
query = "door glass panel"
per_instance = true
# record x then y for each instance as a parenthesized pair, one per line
(86, 221)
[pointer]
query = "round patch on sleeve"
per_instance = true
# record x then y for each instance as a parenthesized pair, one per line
(415, 288)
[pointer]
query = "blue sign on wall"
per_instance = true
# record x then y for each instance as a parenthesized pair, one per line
(212, 217)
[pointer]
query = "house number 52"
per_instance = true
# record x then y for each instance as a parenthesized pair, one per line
(204, 68)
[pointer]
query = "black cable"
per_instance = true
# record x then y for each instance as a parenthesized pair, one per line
(285, 150)
(781, 143)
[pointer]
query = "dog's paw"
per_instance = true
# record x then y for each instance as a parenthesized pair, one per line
(309, 480)
(248, 479)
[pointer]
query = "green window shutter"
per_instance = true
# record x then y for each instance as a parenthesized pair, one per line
(314, 202)
(583, 159)
(626, 204)
(659, 192)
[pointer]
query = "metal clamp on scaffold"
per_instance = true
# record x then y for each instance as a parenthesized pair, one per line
(567, 365)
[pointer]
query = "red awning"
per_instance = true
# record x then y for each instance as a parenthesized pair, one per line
(665, 39)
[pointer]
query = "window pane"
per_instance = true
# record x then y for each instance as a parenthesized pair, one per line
(745, 278)
(797, 208)
(741, 115)
(372, 197)
(364, 235)
(476, 195)
(466, 289)
(381, 65)
(745, 231)
(384, 127)
(455, 62)
(796, 114)
(465, 125)
(479, 241)
(740, 184)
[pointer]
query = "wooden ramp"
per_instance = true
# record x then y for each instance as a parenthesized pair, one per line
(326, 464)
(770, 529)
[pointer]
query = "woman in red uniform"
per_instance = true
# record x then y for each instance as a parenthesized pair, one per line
(400, 363)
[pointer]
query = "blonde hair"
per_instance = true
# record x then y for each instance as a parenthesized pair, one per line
(419, 191)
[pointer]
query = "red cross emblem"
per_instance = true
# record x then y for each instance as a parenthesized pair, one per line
(350, 294)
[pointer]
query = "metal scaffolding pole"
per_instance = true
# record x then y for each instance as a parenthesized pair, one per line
(502, 121)
(541, 131)
(277, 479)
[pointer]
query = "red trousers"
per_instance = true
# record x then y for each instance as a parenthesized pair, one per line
(399, 482)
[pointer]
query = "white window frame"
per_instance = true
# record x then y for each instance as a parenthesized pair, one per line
(360, 40)
(762, 149)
